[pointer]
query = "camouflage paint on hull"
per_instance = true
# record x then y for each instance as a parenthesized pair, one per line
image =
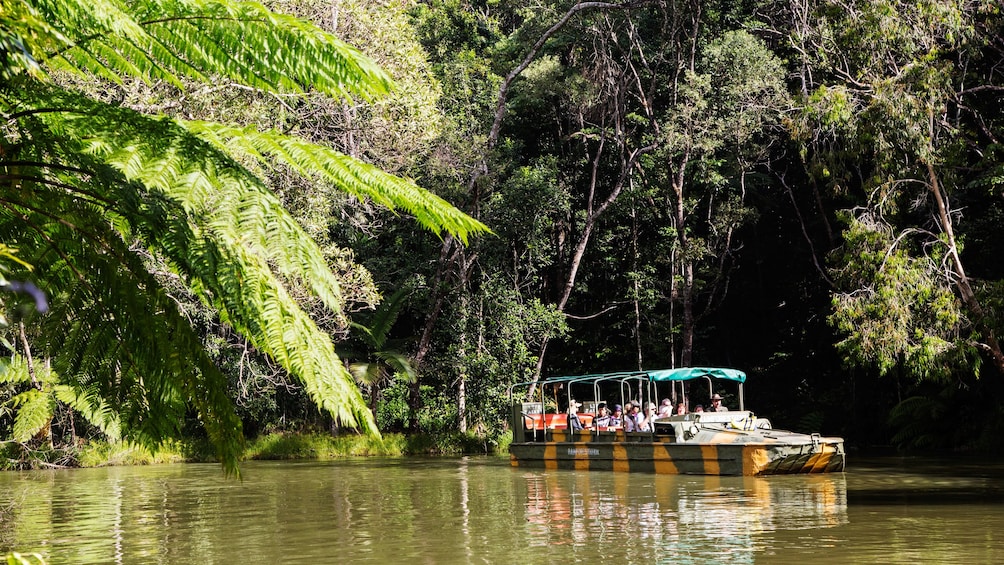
(710, 452)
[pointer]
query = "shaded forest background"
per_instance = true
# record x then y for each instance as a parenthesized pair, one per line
(807, 190)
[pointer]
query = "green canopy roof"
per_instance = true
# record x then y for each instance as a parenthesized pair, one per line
(661, 375)
(688, 373)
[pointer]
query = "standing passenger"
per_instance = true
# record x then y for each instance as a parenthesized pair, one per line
(574, 424)
(716, 404)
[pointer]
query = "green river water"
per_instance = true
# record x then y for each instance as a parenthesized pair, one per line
(480, 510)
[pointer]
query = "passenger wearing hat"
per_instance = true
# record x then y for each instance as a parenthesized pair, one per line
(716, 404)
(617, 417)
(574, 424)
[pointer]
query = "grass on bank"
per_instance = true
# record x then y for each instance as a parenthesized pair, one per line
(274, 446)
(325, 446)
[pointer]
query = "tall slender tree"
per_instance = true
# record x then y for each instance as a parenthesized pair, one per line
(902, 109)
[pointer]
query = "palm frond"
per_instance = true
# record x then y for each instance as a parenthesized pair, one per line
(364, 334)
(400, 364)
(386, 314)
(367, 374)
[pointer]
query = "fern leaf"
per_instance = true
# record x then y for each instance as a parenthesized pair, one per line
(175, 39)
(92, 407)
(350, 175)
(34, 410)
(99, 187)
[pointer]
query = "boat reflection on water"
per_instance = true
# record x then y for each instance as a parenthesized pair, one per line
(663, 515)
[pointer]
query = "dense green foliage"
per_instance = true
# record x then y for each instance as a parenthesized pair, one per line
(103, 201)
(811, 191)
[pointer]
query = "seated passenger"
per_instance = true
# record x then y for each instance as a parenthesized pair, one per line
(617, 418)
(716, 404)
(632, 419)
(647, 421)
(698, 409)
(681, 409)
(666, 408)
(602, 419)
(574, 424)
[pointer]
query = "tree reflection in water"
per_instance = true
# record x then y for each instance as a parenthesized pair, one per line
(481, 510)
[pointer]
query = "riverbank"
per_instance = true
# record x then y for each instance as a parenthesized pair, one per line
(274, 446)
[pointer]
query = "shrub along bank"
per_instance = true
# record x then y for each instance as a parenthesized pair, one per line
(272, 446)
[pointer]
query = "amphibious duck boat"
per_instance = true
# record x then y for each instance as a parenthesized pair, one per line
(726, 442)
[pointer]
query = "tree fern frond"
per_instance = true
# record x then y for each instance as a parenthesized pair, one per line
(114, 331)
(92, 407)
(262, 310)
(213, 189)
(196, 38)
(350, 175)
(14, 372)
(19, 373)
(34, 409)
(24, 35)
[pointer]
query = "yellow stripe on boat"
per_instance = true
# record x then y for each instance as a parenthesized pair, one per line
(663, 460)
(755, 459)
(710, 455)
(620, 458)
(550, 456)
(581, 457)
(818, 462)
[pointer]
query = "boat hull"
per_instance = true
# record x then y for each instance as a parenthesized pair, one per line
(749, 457)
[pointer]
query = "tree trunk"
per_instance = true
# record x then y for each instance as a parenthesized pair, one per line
(462, 403)
(27, 356)
(687, 335)
(637, 290)
(447, 257)
(593, 213)
(686, 289)
(990, 343)
(462, 366)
